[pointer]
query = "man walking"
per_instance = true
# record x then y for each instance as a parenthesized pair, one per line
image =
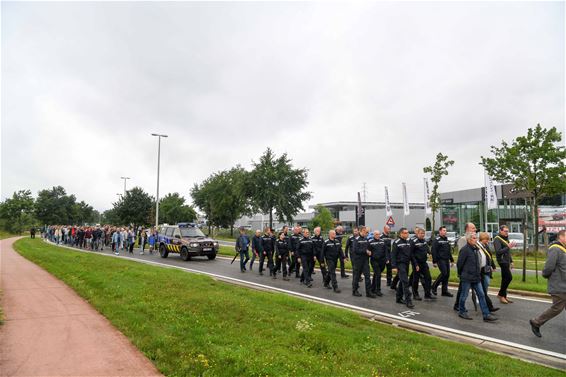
(294, 251)
(443, 259)
(469, 271)
(386, 238)
(305, 251)
(503, 253)
(242, 245)
(268, 245)
(257, 247)
(421, 251)
(401, 258)
(379, 257)
(555, 271)
(360, 262)
(318, 245)
(339, 235)
(332, 251)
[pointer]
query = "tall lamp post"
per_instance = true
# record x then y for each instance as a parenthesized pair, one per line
(125, 178)
(159, 136)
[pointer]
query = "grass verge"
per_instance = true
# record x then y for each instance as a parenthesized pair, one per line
(529, 285)
(192, 325)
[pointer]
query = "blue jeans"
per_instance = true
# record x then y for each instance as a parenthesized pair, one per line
(244, 258)
(479, 292)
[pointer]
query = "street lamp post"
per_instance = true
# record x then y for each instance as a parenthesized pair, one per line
(125, 178)
(159, 136)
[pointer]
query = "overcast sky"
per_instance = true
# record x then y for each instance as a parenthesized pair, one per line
(358, 93)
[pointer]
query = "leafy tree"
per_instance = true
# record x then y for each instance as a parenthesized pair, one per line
(172, 209)
(437, 171)
(223, 197)
(54, 206)
(322, 218)
(534, 164)
(134, 207)
(17, 211)
(277, 186)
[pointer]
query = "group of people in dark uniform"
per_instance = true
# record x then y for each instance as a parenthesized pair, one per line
(404, 260)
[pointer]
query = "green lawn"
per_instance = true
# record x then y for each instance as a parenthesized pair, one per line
(530, 285)
(192, 325)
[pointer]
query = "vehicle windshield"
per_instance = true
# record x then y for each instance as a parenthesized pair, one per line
(191, 232)
(450, 234)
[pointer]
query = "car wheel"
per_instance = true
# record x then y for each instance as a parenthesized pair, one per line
(163, 251)
(185, 253)
(211, 256)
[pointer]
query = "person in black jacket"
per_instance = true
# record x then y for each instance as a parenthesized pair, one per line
(443, 259)
(282, 248)
(294, 253)
(401, 257)
(503, 253)
(360, 262)
(469, 272)
(257, 247)
(268, 244)
(379, 257)
(318, 245)
(339, 235)
(387, 239)
(421, 251)
(305, 251)
(332, 251)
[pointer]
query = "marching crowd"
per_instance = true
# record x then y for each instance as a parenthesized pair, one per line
(406, 258)
(95, 238)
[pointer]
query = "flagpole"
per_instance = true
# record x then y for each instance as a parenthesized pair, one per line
(485, 201)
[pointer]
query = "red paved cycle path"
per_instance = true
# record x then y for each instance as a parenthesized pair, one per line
(49, 330)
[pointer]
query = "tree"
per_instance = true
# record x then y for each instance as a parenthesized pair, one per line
(322, 218)
(172, 209)
(277, 186)
(54, 206)
(17, 211)
(134, 207)
(223, 197)
(534, 164)
(437, 171)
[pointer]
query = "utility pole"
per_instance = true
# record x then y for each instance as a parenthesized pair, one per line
(159, 136)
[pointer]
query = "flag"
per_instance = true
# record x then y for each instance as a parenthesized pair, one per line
(428, 208)
(360, 213)
(406, 210)
(388, 211)
(490, 194)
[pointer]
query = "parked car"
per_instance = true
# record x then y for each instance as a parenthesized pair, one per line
(518, 239)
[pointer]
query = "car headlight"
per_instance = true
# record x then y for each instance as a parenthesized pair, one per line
(193, 244)
(215, 243)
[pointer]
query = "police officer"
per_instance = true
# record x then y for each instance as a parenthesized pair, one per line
(379, 257)
(257, 247)
(306, 253)
(442, 257)
(339, 236)
(332, 251)
(282, 249)
(421, 251)
(401, 258)
(360, 262)
(387, 239)
(349, 243)
(294, 251)
(268, 244)
(318, 245)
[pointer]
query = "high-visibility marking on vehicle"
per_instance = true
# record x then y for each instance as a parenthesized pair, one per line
(344, 305)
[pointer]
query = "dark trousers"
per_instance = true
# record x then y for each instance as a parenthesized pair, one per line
(281, 263)
(306, 261)
(506, 277)
(253, 259)
(295, 264)
(377, 265)
(263, 256)
(403, 289)
(244, 258)
(389, 273)
(424, 276)
(331, 262)
(444, 267)
(558, 306)
(321, 264)
(342, 268)
(361, 264)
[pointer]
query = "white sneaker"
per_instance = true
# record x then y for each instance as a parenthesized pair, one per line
(117, 253)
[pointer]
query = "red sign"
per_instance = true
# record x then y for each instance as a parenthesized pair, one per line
(390, 221)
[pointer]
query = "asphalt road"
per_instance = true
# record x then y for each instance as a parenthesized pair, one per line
(512, 325)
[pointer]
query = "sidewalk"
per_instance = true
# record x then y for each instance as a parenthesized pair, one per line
(49, 330)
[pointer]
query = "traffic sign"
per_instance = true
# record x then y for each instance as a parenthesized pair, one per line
(390, 221)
